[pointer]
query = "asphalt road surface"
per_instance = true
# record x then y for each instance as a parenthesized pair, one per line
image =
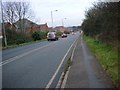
(33, 66)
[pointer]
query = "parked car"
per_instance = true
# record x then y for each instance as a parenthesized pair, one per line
(52, 36)
(64, 35)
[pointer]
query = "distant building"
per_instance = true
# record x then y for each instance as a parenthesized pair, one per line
(43, 27)
(25, 26)
(50, 29)
(59, 28)
(30, 27)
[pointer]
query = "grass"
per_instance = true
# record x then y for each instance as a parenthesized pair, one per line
(67, 65)
(23, 44)
(107, 57)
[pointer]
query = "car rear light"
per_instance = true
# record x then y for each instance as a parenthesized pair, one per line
(53, 35)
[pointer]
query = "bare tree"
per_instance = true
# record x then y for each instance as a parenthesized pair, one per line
(9, 12)
(22, 11)
(14, 11)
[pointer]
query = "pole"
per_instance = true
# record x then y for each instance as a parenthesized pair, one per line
(3, 27)
(52, 19)
(62, 23)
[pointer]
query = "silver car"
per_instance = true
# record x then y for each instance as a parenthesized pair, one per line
(52, 36)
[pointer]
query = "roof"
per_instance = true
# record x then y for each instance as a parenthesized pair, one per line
(59, 27)
(27, 23)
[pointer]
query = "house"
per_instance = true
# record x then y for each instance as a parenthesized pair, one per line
(50, 29)
(43, 27)
(27, 26)
(59, 28)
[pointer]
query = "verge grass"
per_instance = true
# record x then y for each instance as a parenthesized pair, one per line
(107, 56)
(23, 44)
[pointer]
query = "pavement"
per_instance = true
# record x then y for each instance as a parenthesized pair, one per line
(86, 72)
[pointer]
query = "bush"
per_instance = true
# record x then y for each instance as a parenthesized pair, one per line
(101, 21)
(67, 32)
(20, 40)
(14, 38)
(38, 35)
(42, 35)
(59, 33)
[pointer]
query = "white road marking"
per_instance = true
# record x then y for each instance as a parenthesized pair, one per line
(67, 73)
(60, 80)
(73, 51)
(53, 77)
(63, 83)
(22, 55)
(65, 78)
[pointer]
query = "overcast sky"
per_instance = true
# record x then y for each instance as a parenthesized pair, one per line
(72, 10)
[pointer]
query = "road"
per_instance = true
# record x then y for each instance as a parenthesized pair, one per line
(33, 66)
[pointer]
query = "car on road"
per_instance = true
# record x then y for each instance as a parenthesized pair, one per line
(52, 36)
(72, 33)
(64, 35)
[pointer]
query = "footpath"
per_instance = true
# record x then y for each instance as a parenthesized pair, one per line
(85, 71)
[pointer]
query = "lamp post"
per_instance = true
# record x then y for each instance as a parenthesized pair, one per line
(63, 21)
(52, 17)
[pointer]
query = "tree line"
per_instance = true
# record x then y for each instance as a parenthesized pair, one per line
(13, 11)
(17, 11)
(101, 22)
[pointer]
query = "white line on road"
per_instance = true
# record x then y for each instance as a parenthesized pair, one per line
(53, 77)
(22, 55)
(66, 75)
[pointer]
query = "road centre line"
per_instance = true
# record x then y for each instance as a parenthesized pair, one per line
(22, 55)
(53, 77)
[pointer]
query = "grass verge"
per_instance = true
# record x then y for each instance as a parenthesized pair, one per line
(23, 44)
(67, 65)
(107, 57)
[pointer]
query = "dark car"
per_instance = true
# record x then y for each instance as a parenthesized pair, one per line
(64, 35)
(52, 36)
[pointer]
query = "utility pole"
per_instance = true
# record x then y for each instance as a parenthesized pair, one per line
(63, 23)
(3, 26)
(52, 17)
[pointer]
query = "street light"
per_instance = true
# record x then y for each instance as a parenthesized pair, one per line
(52, 16)
(63, 21)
